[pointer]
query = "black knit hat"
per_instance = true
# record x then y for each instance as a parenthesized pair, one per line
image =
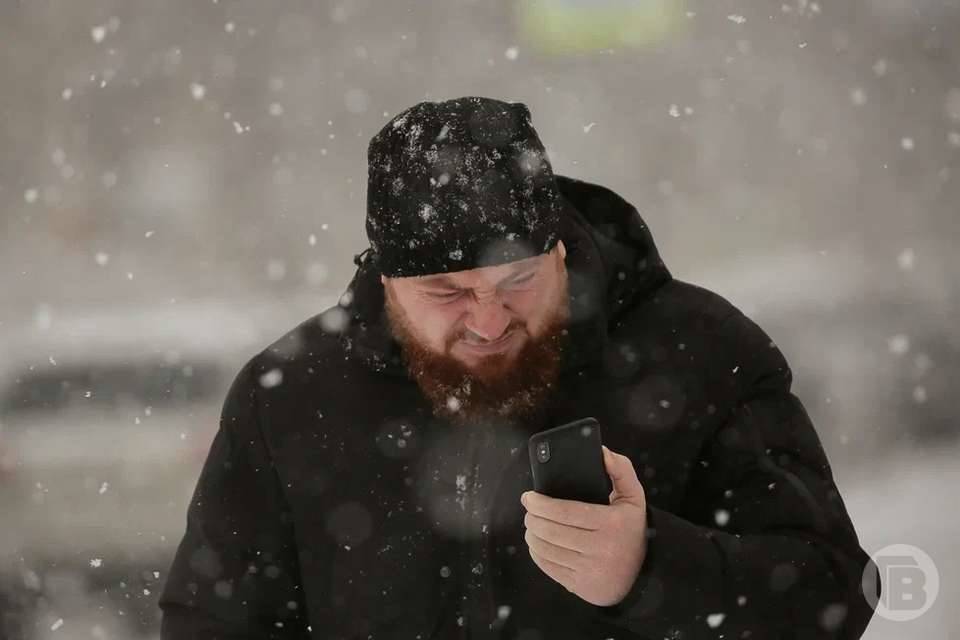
(457, 185)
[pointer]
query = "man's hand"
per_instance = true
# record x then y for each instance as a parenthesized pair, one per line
(593, 550)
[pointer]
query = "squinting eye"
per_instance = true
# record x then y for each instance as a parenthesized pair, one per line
(452, 295)
(522, 280)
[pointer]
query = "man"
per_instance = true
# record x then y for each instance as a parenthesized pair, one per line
(370, 478)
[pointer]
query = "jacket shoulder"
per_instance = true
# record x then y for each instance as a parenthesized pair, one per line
(314, 341)
(305, 356)
(677, 305)
(713, 330)
(758, 357)
(682, 299)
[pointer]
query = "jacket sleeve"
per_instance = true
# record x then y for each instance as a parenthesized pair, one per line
(763, 547)
(235, 573)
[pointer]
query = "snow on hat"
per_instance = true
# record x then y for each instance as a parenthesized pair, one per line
(457, 185)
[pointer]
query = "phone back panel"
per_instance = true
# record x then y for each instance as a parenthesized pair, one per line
(575, 469)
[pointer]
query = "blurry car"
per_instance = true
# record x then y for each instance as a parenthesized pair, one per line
(106, 416)
(875, 349)
(577, 26)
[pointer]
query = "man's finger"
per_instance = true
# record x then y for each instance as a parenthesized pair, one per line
(584, 515)
(559, 555)
(623, 476)
(562, 535)
(558, 572)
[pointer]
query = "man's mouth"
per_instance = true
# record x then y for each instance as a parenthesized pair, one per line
(490, 347)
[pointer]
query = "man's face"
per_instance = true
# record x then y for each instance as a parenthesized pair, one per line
(486, 339)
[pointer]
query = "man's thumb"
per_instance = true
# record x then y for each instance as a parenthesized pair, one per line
(626, 485)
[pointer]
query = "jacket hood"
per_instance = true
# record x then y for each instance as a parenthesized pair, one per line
(612, 263)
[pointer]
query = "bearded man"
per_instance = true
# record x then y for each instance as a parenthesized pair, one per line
(370, 477)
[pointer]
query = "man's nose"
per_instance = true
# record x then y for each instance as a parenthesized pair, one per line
(488, 319)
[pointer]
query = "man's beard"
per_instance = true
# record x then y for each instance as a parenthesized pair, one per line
(500, 386)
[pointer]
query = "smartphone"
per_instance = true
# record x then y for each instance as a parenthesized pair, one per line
(566, 462)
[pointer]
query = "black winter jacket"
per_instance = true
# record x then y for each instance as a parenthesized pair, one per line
(333, 505)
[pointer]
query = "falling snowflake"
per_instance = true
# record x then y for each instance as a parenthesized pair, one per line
(271, 378)
(920, 394)
(833, 616)
(905, 259)
(714, 620)
(899, 344)
(738, 19)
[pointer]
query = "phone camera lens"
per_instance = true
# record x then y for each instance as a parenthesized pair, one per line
(543, 451)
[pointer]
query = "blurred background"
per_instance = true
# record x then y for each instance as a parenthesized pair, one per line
(182, 182)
